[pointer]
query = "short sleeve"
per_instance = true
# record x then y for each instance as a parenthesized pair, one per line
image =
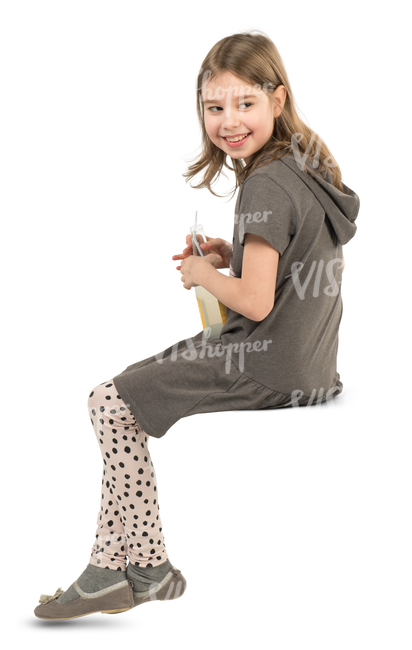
(266, 210)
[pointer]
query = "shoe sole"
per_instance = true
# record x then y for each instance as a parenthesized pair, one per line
(69, 618)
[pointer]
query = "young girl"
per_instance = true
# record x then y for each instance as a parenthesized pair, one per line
(278, 347)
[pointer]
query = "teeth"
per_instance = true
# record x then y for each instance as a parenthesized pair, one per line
(241, 137)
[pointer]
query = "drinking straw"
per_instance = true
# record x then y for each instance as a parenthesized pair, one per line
(194, 238)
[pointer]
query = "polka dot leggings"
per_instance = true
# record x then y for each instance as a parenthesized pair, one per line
(128, 523)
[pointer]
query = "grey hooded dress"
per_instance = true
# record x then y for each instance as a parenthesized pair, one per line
(287, 359)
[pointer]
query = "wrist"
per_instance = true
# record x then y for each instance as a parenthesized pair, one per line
(202, 271)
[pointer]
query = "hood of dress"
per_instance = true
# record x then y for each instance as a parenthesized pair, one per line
(341, 208)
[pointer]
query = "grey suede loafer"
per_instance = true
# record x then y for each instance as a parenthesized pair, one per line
(171, 587)
(111, 600)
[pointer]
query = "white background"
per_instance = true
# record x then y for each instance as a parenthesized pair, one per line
(292, 528)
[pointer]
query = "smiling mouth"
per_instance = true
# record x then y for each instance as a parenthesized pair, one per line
(236, 138)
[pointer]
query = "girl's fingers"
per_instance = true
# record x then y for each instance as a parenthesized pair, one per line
(181, 255)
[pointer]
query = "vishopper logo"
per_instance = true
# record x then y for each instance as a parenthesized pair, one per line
(173, 589)
(301, 160)
(206, 94)
(330, 290)
(109, 539)
(320, 396)
(200, 349)
(128, 426)
(256, 217)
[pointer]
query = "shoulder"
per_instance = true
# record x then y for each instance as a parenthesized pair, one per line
(275, 177)
(280, 176)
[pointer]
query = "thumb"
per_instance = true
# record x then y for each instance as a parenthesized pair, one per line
(213, 258)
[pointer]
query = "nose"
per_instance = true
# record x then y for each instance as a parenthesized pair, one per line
(230, 118)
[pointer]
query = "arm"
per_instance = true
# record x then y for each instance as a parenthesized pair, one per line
(252, 295)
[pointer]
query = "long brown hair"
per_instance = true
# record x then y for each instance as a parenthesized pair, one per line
(254, 58)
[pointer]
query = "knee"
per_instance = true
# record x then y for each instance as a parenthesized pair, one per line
(101, 397)
(105, 403)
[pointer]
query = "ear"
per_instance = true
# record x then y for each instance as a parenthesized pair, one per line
(279, 94)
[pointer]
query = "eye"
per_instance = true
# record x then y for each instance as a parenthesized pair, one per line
(220, 108)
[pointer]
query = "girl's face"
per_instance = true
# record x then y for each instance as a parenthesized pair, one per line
(233, 108)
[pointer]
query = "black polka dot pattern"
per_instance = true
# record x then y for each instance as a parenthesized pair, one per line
(128, 523)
